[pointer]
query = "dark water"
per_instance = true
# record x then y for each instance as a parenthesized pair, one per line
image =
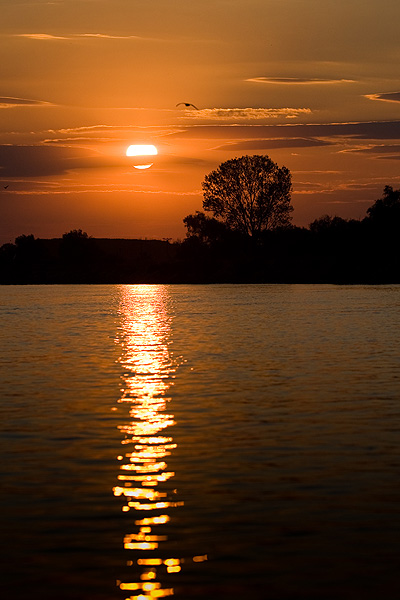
(216, 442)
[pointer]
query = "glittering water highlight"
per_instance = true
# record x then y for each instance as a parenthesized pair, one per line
(145, 484)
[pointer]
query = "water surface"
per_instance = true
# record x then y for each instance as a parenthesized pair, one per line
(215, 442)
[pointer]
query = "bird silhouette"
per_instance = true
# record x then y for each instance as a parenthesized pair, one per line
(187, 104)
(5, 187)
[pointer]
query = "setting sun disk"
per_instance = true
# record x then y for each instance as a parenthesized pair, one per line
(141, 150)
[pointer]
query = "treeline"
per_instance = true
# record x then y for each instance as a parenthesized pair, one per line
(330, 250)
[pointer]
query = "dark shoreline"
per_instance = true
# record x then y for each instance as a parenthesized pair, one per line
(354, 254)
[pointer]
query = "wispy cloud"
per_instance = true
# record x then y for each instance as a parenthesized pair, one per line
(276, 143)
(297, 80)
(92, 128)
(80, 140)
(112, 129)
(104, 190)
(385, 97)
(246, 114)
(108, 36)
(40, 36)
(105, 134)
(381, 151)
(74, 36)
(9, 102)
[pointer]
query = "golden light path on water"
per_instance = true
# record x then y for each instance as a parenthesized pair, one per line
(144, 480)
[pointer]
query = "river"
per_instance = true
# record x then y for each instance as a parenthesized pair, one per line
(215, 442)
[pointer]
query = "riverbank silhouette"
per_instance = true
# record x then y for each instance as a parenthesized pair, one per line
(330, 250)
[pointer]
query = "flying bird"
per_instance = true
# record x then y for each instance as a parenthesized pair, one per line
(5, 187)
(187, 104)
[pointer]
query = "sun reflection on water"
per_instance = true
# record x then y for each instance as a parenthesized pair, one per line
(143, 479)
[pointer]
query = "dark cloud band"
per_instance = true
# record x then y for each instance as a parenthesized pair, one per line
(371, 130)
(268, 144)
(386, 97)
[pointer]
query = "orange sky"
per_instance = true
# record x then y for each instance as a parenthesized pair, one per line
(314, 84)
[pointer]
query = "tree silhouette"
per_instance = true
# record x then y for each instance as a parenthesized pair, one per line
(382, 226)
(250, 194)
(326, 224)
(75, 235)
(385, 212)
(25, 242)
(77, 254)
(205, 229)
(27, 253)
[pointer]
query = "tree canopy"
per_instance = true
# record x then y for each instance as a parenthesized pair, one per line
(250, 194)
(75, 234)
(386, 210)
(205, 229)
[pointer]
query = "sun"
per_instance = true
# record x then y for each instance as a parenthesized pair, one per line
(141, 150)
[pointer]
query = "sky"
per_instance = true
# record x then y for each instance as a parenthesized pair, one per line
(314, 84)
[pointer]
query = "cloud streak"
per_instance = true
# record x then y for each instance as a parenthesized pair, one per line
(380, 152)
(9, 102)
(108, 36)
(40, 36)
(381, 149)
(384, 97)
(369, 130)
(246, 114)
(268, 144)
(297, 80)
(89, 190)
(74, 36)
(114, 129)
